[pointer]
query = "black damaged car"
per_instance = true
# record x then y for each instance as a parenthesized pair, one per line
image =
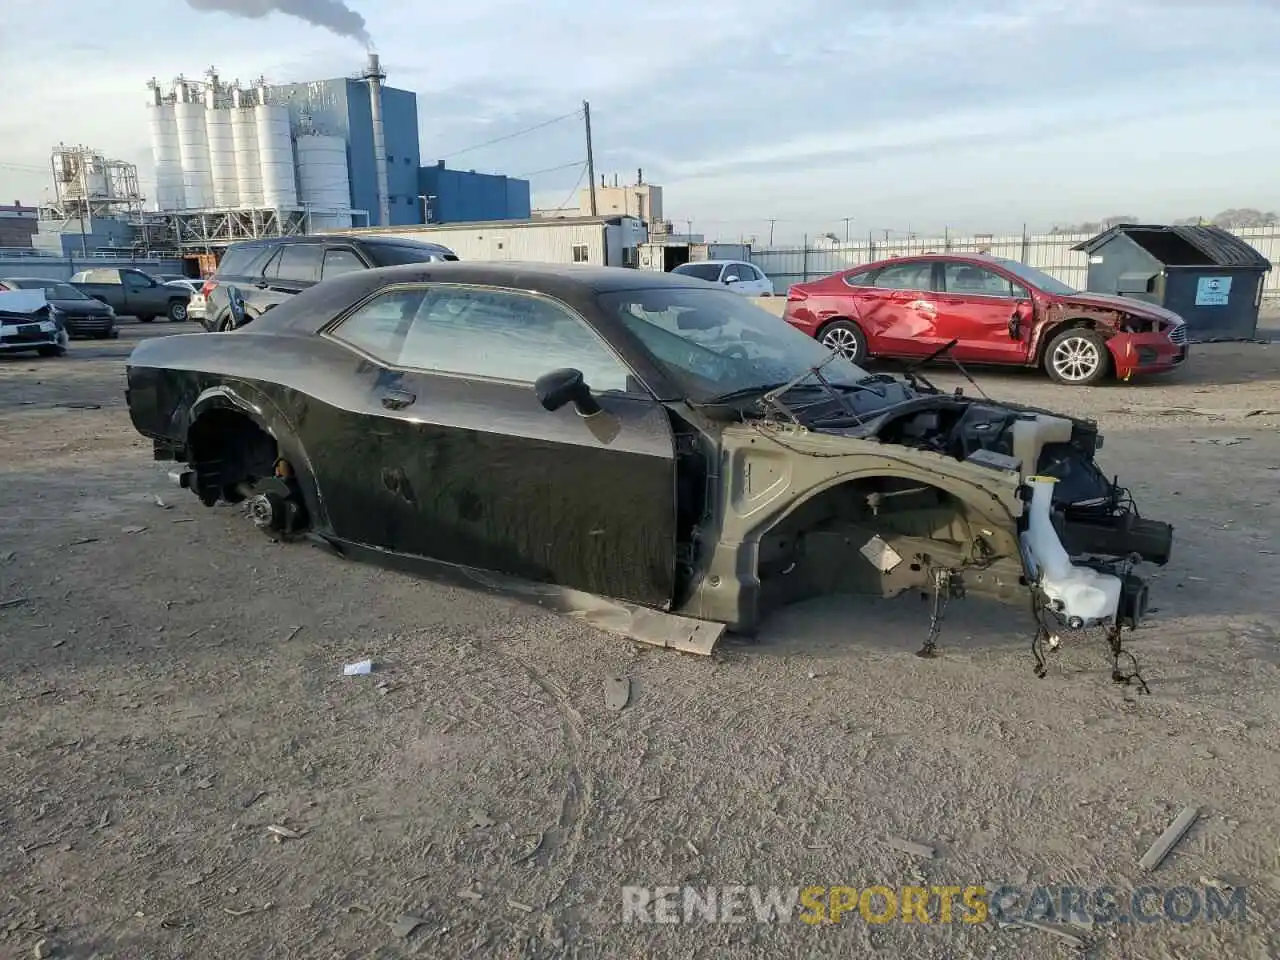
(661, 458)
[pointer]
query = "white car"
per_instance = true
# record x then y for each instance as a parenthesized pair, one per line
(27, 323)
(196, 305)
(740, 277)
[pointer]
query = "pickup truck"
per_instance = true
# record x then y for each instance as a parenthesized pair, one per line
(133, 293)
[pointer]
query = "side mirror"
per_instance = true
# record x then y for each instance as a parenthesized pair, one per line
(562, 386)
(730, 280)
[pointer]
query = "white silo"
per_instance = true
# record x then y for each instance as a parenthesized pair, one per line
(244, 135)
(165, 152)
(222, 154)
(193, 145)
(275, 149)
(324, 187)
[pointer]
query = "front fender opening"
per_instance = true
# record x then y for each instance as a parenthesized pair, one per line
(883, 536)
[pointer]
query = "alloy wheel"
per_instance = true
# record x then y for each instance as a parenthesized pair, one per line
(842, 340)
(1076, 359)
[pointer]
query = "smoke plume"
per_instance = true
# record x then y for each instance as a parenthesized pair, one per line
(332, 15)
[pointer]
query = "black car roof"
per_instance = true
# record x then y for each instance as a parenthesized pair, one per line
(573, 283)
(336, 238)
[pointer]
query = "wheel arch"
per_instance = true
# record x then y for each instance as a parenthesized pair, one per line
(223, 407)
(1051, 330)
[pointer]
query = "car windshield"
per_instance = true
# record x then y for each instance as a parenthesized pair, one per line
(1038, 278)
(714, 343)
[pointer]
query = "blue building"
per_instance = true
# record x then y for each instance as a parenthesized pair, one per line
(340, 108)
(457, 196)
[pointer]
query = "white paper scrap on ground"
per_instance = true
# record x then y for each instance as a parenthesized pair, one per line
(358, 669)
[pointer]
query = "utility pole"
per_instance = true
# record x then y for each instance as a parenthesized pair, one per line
(591, 160)
(847, 221)
(771, 223)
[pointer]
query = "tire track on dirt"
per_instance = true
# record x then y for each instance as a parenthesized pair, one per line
(578, 796)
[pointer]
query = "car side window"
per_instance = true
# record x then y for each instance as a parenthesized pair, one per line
(753, 273)
(300, 263)
(271, 265)
(962, 278)
(338, 261)
(506, 335)
(133, 281)
(906, 276)
(379, 327)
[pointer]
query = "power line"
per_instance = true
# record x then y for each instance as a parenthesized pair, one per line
(509, 136)
(574, 192)
(562, 166)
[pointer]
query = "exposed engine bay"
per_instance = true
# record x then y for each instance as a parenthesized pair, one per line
(1056, 528)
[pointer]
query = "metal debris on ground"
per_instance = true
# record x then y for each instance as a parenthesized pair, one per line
(77, 542)
(359, 669)
(906, 846)
(132, 529)
(617, 693)
(15, 602)
(253, 799)
(293, 633)
(284, 833)
(405, 924)
(1169, 839)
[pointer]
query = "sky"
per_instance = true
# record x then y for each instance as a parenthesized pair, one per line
(820, 115)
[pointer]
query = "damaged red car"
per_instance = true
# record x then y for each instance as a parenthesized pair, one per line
(998, 311)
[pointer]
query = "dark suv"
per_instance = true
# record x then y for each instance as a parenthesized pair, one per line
(268, 272)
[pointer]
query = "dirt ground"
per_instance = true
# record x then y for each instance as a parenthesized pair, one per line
(171, 686)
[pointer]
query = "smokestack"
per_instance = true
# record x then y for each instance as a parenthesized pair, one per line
(639, 176)
(374, 76)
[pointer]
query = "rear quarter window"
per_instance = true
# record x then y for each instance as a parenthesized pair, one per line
(239, 261)
(397, 254)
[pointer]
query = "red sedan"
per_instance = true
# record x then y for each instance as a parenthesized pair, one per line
(999, 311)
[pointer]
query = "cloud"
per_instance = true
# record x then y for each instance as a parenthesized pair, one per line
(888, 110)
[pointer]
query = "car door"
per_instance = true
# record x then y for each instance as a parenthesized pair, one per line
(976, 306)
(471, 470)
(763, 285)
(142, 295)
(898, 314)
(735, 278)
(295, 267)
(339, 260)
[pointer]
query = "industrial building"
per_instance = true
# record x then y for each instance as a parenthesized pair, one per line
(603, 241)
(17, 225)
(640, 200)
(234, 161)
(455, 196)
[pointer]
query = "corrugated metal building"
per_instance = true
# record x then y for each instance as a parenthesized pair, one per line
(340, 108)
(457, 196)
(603, 241)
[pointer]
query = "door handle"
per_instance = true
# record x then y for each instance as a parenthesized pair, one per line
(397, 399)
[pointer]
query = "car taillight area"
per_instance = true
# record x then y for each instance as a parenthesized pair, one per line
(207, 288)
(796, 294)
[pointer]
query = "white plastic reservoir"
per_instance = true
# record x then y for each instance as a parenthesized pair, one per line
(1074, 591)
(275, 150)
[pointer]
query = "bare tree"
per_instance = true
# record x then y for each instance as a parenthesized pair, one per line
(1238, 217)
